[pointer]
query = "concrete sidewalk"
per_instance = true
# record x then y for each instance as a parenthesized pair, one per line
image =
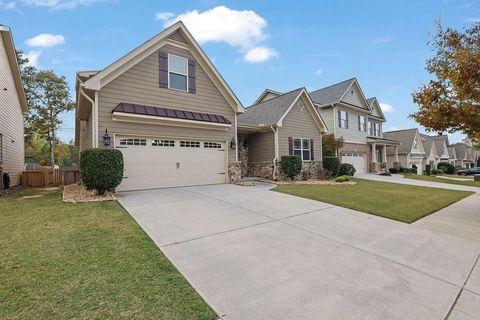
(398, 178)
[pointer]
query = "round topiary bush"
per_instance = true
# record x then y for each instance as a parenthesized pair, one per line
(437, 171)
(101, 169)
(346, 169)
(291, 166)
(394, 170)
(446, 167)
(332, 164)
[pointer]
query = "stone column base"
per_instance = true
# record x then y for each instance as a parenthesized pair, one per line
(234, 171)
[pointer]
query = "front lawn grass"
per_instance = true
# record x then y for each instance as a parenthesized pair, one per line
(469, 183)
(85, 261)
(390, 200)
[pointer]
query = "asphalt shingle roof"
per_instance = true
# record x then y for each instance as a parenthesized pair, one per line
(460, 150)
(331, 94)
(268, 112)
(405, 137)
(451, 152)
(427, 143)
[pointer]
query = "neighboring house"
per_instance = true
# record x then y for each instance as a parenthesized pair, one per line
(13, 105)
(464, 158)
(441, 143)
(411, 152)
(349, 115)
(431, 152)
(452, 154)
(168, 110)
(278, 125)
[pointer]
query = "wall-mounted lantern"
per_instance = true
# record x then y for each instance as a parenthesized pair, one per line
(106, 138)
(233, 143)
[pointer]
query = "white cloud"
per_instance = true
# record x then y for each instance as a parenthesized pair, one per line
(382, 40)
(32, 57)
(7, 5)
(473, 20)
(45, 40)
(260, 54)
(244, 30)
(60, 4)
(164, 16)
(319, 72)
(386, 107)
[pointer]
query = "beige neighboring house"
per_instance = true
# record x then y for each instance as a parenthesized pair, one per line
(411, 151)
(359, 121)
(277, 125)
(431, 153)
(13, 105)
(464, 155)
(452, 154)
(167, 109)
(441, 143)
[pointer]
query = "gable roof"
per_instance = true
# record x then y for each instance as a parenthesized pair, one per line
(272, 111)
(6, 35)
(373, 103)
(100, 79)
(427, 143)
(460, 150)
(405, 137)
(440, 143)
(331, 94)
(264, 93)
(451, 152)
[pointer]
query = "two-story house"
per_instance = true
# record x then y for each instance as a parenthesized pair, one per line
(359, 121)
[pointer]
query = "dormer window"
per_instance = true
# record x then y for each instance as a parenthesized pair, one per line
(177, 72)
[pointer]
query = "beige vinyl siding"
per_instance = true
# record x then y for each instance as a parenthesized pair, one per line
(177, 36)
(11, 121)
(373, 121)
(268, 96)
(140, 85)
(354, 98)
(352, 134)
(86, 135)
(299, 124)
(261, 147)
(327, 116)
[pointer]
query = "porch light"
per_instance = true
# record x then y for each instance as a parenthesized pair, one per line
(233, 143)
(106, 138)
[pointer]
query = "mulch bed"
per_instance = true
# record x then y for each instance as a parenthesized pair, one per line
(11, 190)
(313, 181)
(75, 193)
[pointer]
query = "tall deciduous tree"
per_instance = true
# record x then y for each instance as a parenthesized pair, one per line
(48, 97)
(451, 102)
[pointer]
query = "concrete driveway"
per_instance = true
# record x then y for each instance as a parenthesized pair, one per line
(256, 254)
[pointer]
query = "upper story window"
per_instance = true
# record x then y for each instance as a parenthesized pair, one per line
(378, 129)
(343, 119)
(370, 128)
(362, 123)
(301, 148)
(177, 72)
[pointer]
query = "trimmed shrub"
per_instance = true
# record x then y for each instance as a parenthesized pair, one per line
(394, 170)
(437, 171)
(446, 167)
(342, 178)
(332, 164)
(346, 169)
(428, 169)
(324, 174)
(101, 169)
(291, 166)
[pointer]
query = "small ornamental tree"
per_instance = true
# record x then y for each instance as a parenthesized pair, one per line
(291, 166)
(101, 169)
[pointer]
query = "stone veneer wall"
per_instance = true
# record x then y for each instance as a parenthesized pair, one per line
(264, 170)
(234, 171)
(243, 153)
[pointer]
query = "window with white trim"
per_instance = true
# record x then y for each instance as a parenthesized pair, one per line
(343, 119)
(362, 123)
(378, 129)
(189, 144)
(133, 142)
(212, 145)
(301, 148)
(370, 128)
(177, 72)
(163, 143)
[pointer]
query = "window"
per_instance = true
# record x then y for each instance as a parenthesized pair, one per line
(343, 119)
(378, 129)
(163, 143)
(133, 142)
(362, 123)
(301, 148)
(189, 144)
(370, 128)
(177, 72)
(378, 155)
(212, 145)
(1, 148)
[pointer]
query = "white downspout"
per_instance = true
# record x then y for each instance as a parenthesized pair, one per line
(93, 113)
(275, 132)
(236, 139)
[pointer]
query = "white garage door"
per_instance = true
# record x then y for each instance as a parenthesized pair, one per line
(357, 160)
(160, 163)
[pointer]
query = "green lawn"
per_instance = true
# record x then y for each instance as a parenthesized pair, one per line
(395, 201)
(470, 182)
(85, 261)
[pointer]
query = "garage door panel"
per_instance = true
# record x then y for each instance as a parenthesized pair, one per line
(149, 166)
(356, 160)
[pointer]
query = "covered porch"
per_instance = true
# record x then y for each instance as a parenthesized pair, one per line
(378, 149)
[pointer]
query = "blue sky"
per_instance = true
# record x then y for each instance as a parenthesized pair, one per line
(255, 44)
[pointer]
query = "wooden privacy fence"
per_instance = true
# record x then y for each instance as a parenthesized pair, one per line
(50, 177)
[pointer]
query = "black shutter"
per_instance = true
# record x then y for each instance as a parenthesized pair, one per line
(311, 150)
(163, 64)
(192, 82)
(359, 124)
(290, 146)
(346, 117)
(339, 118)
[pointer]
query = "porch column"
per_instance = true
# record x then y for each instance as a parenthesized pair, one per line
(374, 158)
(396, 154)
(384, 153)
